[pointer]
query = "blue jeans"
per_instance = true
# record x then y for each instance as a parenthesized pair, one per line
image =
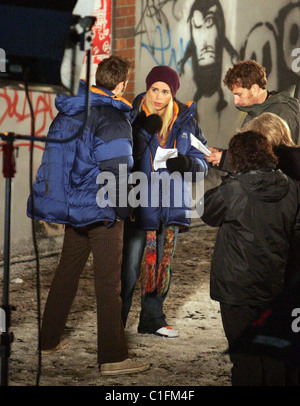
(151, 316)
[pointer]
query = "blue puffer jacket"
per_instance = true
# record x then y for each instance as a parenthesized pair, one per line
(65, 190)
(164, 198)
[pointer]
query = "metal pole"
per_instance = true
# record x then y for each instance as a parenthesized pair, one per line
(7, 242)
(5, 336)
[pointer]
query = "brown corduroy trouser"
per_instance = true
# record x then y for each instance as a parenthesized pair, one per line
(106, 246)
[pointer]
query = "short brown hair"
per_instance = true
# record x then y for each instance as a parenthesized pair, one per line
(112, 71)
(246, 74)
(250, 150)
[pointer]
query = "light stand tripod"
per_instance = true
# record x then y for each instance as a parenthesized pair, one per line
(8, 172)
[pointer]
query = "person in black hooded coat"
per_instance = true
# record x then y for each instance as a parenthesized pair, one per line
(288, 153)
(257, 211)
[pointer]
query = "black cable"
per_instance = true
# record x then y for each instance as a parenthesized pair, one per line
(33, 229)
(87, 105)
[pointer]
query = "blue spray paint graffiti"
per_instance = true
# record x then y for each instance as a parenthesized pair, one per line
(272, 42)
(164, 51)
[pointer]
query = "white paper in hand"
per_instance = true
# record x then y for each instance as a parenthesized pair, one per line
(198, 144)
(161, 156)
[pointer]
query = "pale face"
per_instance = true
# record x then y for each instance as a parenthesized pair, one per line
(243, 96)
(160, 95)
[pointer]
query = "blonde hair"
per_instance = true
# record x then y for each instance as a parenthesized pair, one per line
(272, 127)
(166, 118)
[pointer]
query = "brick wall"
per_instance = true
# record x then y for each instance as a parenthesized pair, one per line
(123, 40)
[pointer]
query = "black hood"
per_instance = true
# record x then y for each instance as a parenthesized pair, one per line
(265, 184)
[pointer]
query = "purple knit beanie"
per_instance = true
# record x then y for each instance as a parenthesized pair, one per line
(166, 75)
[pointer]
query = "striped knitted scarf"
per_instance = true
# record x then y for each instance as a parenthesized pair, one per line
(152, 276)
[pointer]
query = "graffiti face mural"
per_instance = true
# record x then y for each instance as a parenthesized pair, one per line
(204, 33)
(261, 45)
(207, 31)
(272, 46)
(288, 28)
(291, 32)
(177, 32)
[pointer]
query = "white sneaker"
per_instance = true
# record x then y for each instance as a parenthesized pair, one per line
(167, 331)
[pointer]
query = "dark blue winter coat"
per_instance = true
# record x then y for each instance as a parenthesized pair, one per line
(66, 187)
(163, 198)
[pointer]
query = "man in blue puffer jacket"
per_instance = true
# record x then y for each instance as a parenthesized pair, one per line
(67, 191)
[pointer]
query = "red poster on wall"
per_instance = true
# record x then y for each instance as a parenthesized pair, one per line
(101, 31)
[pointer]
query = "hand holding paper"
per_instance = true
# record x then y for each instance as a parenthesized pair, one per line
(180, 164)
(162, 155)
(198, 144)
